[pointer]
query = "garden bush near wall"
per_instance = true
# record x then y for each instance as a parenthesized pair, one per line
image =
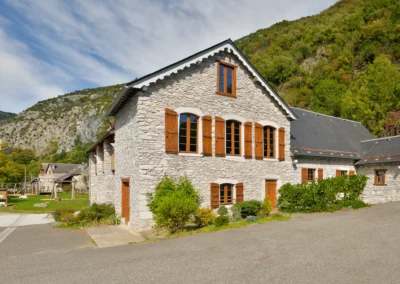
(325, 195)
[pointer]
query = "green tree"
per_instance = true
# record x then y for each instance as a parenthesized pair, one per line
(327, 97)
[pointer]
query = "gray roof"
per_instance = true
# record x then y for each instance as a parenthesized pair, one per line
(315, 134)
(382, 150)
(129, 89)
(65, 168)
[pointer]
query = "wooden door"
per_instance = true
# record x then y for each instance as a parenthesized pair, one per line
(125, 201)
(270, 192)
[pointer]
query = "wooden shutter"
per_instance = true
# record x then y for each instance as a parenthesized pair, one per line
(112, 160)
(304, 175)
(171, 131)
(259, 141)
(338, 173)
(320, 174)
(207, 138)
(248, 135)
(219, 137)
(352, 172)
(281, 144)
(214, 195)
(239, 192)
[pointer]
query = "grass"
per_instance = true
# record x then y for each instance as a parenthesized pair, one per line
(192, 230)
(16, 204)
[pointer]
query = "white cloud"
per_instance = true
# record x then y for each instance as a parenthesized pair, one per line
(108, 42)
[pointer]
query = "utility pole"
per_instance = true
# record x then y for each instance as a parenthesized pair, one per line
(25, 181)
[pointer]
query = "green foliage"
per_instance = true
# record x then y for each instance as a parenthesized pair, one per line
(12, 165)
(265, 208)
(392, 124)
(6, 115)
(249, 208)
(173, 203)
(221, 221)
(3, 145)
(236, 213)
(204, 217)
(323, 62)
(322, 195)
(63, 214)
(222, 210)
(251, 219)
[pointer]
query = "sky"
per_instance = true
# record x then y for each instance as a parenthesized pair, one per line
(52, 47)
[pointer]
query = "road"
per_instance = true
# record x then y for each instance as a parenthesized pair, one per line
(345, 247)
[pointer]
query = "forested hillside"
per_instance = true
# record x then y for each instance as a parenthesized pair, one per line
(6, 115)
(343, 62)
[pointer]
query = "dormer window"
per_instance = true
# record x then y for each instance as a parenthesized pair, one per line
(226, 79)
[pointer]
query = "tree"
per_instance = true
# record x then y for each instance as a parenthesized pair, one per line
(392, 124)
(373, 94)
(327, 97)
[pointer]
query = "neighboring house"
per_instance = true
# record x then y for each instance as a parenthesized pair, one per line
(213, 118)
(58, 175)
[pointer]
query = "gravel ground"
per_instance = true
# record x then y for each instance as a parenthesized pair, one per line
(345, 247)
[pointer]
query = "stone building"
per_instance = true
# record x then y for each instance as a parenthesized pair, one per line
(213, 118)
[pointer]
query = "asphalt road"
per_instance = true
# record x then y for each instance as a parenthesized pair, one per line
(345, 247)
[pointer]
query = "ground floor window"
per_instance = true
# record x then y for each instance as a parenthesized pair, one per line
(343, 173)
(225, 194)
(310, 175)
(380, 177)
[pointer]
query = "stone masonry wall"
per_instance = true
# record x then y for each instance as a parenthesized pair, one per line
(140, 146)
(374, 194)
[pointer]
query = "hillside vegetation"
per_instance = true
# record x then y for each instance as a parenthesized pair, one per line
(58, 124)
(6, 115)
(343, 62)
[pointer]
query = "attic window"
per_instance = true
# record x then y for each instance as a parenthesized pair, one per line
(226, 79)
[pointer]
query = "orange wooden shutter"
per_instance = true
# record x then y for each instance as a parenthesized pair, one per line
(338, 173)
(259, 141)
(304, 175)
(207, 139)
(281, 144)
(219, 137)
(352, 173)
(214, 195)
(320, 174)
(171, 131)
(112, 160)
(239, 192)
(248, 140)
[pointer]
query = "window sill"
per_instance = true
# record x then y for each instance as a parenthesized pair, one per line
(233, 96)
(271, 159)
(380, 184)
(236, 158)
(190, 154)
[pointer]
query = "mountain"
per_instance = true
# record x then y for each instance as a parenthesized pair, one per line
(57, 124)
(6, 115)
(344, 61)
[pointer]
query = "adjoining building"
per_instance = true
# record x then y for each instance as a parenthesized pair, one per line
(213, 118)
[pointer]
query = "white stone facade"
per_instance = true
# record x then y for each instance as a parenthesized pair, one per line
(374, 194)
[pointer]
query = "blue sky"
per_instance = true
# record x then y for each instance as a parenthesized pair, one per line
(51, 47)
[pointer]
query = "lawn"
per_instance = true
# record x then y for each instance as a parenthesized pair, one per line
(16, 204)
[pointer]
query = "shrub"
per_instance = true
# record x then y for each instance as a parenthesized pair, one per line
(251, 219)
(221, 221)
(173, 203)
(222, 210)
(322, 195)
(204, 217)
(236, 213)
(63, 215)
(250, 207)
(265, 208)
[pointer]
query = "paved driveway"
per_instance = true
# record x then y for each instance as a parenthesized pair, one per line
(345, 247)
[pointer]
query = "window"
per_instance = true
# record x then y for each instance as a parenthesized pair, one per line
(310, 175)
(343, 173)
(225, 194)
(233, 137)
(188, 128)
(226, 84)
(269, 142)
(380, 177)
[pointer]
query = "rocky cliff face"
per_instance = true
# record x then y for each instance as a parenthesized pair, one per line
(57, 123)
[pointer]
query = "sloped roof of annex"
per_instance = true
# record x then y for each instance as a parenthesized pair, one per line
(380, 150)
(227, 45)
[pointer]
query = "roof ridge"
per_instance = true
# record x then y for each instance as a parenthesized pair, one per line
(327, 115)
(382, 138)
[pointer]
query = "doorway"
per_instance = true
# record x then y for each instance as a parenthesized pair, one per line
(270, 192)
(125, 204)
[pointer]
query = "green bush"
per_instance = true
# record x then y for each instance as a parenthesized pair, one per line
(222, 210)
(173, 203)
(63, 214)
(249, 208)
(221, 221)
(265, 208)
(322, 195)
(204, 217)
(236, 213)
